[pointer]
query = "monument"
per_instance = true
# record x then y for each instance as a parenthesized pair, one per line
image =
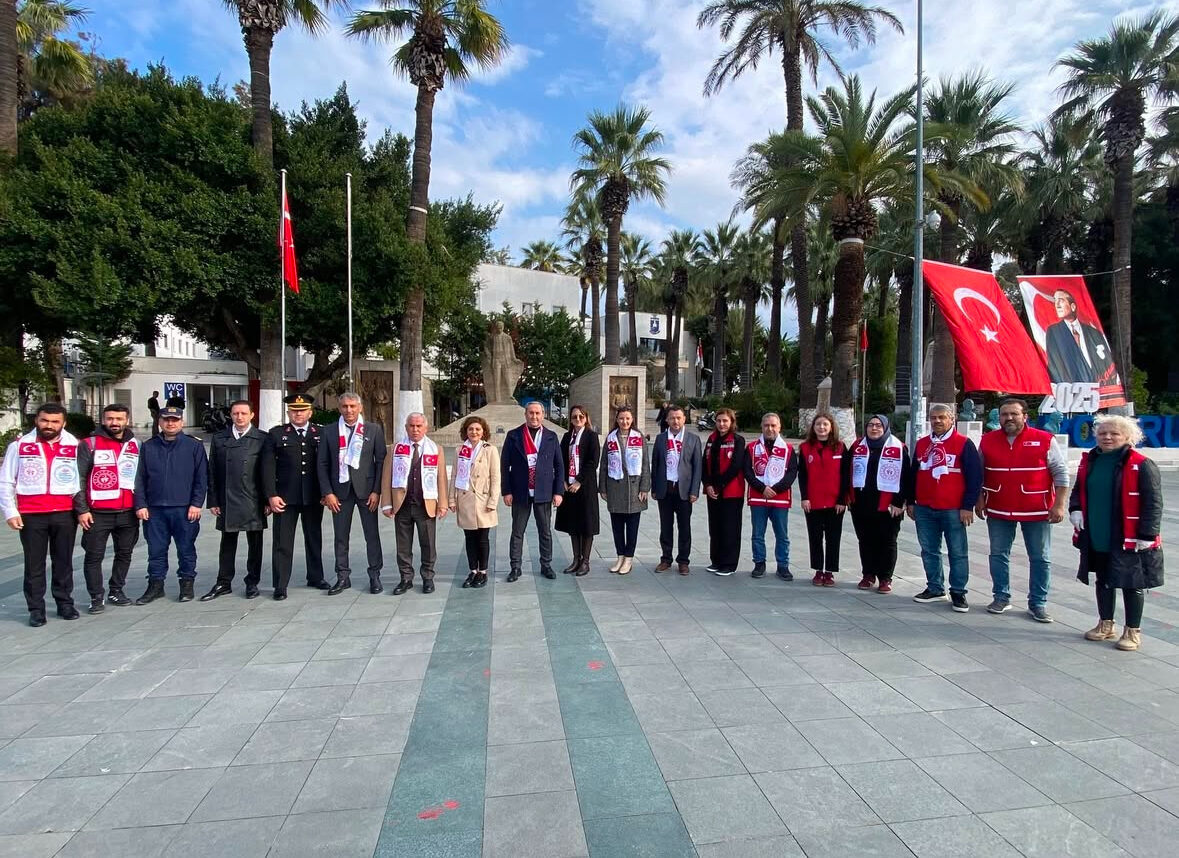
(605, 388)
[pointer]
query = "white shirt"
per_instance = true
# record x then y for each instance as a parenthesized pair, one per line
(1079, 335)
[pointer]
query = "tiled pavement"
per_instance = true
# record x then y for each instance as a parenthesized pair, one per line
(650, 715)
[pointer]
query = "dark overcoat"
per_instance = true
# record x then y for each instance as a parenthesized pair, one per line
(235, 480)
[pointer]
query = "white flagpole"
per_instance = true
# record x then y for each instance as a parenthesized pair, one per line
(351, 374)
(282, 283)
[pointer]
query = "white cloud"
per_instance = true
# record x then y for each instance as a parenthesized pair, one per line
(518, 57)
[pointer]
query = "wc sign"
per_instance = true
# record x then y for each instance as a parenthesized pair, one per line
(174, 390)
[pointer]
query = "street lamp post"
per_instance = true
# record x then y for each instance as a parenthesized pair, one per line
(916, 409)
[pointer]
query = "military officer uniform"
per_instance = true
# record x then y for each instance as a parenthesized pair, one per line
(289, 472)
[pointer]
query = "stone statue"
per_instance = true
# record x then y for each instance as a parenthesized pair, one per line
(1052, 421)
(968, 412)
(501, 367)
(992, 420)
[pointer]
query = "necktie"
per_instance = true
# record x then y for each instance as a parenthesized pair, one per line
(1076, 336)
(413, 463)
(301, 431)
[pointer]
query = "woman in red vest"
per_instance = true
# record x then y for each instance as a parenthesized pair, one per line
(824, 482)
(1116, 512)
(724, 483)
(880, 467)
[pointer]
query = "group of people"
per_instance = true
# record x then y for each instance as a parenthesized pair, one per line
(112, 484)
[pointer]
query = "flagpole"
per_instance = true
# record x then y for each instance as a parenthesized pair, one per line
(351, 373)
(282, 288)
(917, 320)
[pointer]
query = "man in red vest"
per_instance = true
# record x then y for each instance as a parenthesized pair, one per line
(1025, 483)
(39, 495)
(946, 483)
(107, 464)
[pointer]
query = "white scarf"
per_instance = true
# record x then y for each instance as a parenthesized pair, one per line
(770, 466)
(350, 450)
(35, 476)
(467, 454)
(888, 466)
(634, 454)
(111, 475)
(574, 457)
(403, 455)
(674, 447)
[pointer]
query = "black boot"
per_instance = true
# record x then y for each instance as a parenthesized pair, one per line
(583, 564)
(186, 585)
(155, 590)
(575, 544)
(470, 582)
(340, 586)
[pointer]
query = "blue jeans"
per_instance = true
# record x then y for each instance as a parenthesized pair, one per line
(776, 515)
(165, 524)
(1037, 539)
(932, 525)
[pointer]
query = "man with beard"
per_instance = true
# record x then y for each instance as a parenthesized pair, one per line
(291, 482)
(107, 464)
(39, 494)
(236, 498)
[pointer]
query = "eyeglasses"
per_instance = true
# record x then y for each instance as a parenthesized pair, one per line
(576, 416)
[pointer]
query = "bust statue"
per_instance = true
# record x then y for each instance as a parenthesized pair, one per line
(501, 367)
(968, 412)
(992, 420)
(1052, 421)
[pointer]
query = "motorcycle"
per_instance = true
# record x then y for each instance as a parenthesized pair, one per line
(707, 421)
(215, 417)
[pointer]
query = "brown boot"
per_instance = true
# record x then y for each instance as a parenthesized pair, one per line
(1130, 640)
(1103, 631)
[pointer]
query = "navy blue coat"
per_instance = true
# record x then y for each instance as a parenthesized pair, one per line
(172, 473)
(550, 466)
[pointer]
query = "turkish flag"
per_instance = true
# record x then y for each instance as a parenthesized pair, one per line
(864, 337)
(286, 243)
(994, 350)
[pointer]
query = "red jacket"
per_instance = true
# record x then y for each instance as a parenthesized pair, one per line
(727, 479)
(824, 474)
(1016, 480)
(958, 486)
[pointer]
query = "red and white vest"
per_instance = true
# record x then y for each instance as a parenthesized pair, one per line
(1131, 500)
(735, 488)
(44, 477)
(948, 487)
(112, 476)
(770, 465)
(824, 467)
(1016, 478)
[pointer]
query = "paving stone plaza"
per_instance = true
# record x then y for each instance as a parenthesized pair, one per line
(645, 715)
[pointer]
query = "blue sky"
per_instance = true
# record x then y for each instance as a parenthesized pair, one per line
(506, 135)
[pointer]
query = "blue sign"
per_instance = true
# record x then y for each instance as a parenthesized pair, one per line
(175, 390)
(1157, 430)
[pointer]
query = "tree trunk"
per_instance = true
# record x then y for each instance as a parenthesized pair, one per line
(8, 94)
(596, 318)
(808, 392)
(632, 294)
(671, 361)
(747, 338)
(942, 388)
(777, 286)
(904, 374)
(613, 234)
(720, 318)
(259, 42)
(819, 351)
(584, 283)
(882, 298)
(845, 322)
(1123, 212)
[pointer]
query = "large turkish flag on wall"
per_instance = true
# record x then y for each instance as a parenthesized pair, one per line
(994, 350)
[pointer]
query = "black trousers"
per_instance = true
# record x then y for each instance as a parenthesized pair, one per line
(227, 556)
(52, 534)
(724, 531)
(478, 548)
(877, 534)
(522, 509)
(413, 516)
(342, 528)
(123, 527)
(626, 532)
(675, 512)
(1107, 596)
(283, 547)
(824, 529)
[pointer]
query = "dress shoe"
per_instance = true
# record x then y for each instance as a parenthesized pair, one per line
(402, 587)
(219, 589)
(572, 567)
(319, 585)
(36, 620)
(428, 585)
(375, 586)
(582, 569)
(339, 587)
(97, 606)
(470, 582)
(118, 597)
(280, 595)
(548, 573)
(186, 594)
(617, 564)
(627, 565)
(684, 569)
(155, 590)
(663, 566)
(68, 612)
(480, 580)
(513, 576)
(252, 591)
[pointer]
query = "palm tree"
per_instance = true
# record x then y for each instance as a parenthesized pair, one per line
(445, 38)
(49, 69)
(634, 267)
(1110, 79)
(969, 135)
(679, 251)
(582, 229)
(716, 262)
(753, 264)
(618, 164)
(792, 27)
(541, 255)
(9, 100)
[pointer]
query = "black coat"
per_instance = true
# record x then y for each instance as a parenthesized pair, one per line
(578, 513)
(365, 478)
(550, 467)
(289, 466)
(1127, 569)
(235, 480)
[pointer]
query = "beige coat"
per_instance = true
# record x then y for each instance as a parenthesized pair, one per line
(391, 497)
(479, 506)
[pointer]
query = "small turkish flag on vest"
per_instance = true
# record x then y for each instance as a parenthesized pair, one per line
(286, 243)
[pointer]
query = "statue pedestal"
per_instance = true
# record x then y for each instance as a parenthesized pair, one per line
(972, 429)
(604, 388)
(500, 416)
